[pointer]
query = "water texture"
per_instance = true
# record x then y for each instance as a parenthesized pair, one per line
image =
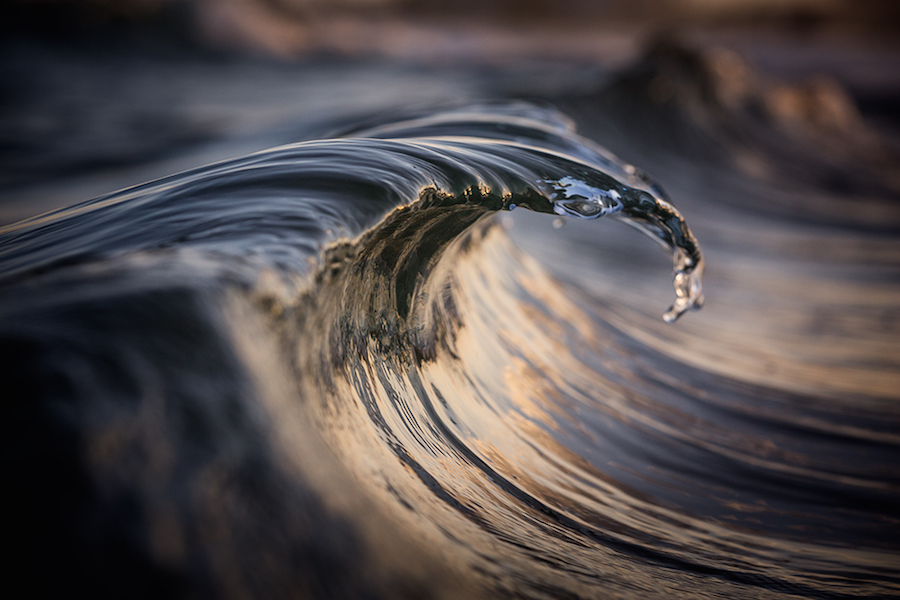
(374, 366)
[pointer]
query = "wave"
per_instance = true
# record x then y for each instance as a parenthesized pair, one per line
(301, 194)
(324, 370)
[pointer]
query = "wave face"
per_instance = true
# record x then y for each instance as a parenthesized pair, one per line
(325, 370)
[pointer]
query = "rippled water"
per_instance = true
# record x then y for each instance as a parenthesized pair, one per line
(407, 361)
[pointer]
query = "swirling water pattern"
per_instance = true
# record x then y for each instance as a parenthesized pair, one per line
(325, 370)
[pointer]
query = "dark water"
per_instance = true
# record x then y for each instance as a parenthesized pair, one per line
(418, 359)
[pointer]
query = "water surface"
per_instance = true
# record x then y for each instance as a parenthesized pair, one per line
(420, 355)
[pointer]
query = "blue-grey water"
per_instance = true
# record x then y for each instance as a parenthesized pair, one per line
(416, 352)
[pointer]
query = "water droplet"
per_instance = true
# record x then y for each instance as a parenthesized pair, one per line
(576, 198)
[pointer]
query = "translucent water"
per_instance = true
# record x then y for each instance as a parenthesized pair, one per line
(325, 369)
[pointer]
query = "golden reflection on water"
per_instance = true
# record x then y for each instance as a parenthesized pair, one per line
(538, 433)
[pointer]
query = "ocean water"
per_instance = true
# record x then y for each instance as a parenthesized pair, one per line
(421, 356)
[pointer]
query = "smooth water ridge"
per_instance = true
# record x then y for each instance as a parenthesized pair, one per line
(343, 368)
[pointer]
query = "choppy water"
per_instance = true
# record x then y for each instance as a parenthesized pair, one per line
(376, 365)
